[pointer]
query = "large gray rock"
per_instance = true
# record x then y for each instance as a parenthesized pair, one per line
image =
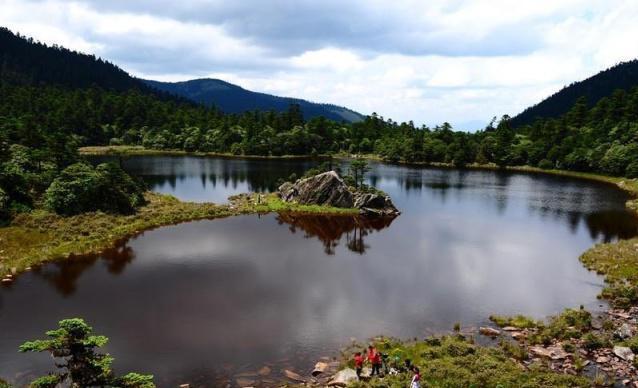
(326, 189)
(343, 378)
(624, 352)
(375, 204)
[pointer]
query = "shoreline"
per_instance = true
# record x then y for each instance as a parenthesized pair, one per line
(94, 232)
(38, 237)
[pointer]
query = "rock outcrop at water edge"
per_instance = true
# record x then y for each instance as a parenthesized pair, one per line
(328, 189)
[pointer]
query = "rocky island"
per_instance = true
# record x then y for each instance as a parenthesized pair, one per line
(329, 189)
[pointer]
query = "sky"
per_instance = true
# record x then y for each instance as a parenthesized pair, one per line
(460, 61)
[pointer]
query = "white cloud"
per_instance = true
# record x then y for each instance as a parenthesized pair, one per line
(459, 61)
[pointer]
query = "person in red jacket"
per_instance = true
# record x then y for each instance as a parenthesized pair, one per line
(375, 359)
(358, 363)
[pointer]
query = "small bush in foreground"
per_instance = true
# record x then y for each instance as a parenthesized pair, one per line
(73, 346)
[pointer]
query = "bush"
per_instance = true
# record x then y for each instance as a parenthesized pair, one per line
(82, 188)
(618, 157)
(546, 164)
(593, 342)
(632, 170)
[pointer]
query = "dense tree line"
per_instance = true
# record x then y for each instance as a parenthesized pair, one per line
(49, 122)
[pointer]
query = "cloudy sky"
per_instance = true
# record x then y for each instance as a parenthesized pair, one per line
(430, 61)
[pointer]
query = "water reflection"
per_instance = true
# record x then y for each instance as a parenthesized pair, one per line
(209, 300)
(64, 275)
(203, 179)
(330, 229)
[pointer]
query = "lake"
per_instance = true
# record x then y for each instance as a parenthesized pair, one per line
(205, 302)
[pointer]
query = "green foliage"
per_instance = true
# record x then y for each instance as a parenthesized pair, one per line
(82, 188)
(135, 380)
(357, 171)
(4, 206)
(452, 361)
(518, 321)
(592, 341)
(74, 346)
(571, 323)
(4, 384)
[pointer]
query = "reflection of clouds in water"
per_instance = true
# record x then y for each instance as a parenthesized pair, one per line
(247, 290)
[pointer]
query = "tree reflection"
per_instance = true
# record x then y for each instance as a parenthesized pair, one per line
(330, 229)
(63, 275)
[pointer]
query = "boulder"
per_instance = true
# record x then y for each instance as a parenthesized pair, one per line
(326, 189)
(375, 204)
(320, 367)
(488, 331)
(624, 331)
(624, 352)
(294, 376)
(552, 352)
(343, 378)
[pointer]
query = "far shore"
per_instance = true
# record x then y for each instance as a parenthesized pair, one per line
(628, 185)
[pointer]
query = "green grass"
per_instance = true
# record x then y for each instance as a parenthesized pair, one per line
(266, 203)
(618, 261)
(453, 361)
(518, 321)
(39, 236)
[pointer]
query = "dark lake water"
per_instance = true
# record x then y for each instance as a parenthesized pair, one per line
(204, 301)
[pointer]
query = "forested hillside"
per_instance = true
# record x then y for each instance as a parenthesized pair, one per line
(24, 61)
(622, 76)
(231, 98)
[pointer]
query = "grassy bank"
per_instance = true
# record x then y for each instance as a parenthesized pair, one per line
(455, 361)
(40, 236)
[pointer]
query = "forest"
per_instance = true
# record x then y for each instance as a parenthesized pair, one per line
(46, 113)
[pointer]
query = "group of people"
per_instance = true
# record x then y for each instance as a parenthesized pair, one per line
(377, 359)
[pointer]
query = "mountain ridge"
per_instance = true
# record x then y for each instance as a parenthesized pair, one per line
(623, 75)
(232, 98)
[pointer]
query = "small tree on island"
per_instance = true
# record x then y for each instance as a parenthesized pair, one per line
(81, 365)
(358, 169)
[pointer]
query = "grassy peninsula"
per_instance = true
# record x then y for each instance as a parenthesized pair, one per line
(39, 236)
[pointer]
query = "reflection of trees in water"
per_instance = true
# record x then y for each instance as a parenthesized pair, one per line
(612, 225)
(609, 225)
(63, 275)
(330, 229)
(257, 179)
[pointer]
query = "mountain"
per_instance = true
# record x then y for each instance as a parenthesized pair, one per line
(234, 99)
(24, 61)
(622, 76)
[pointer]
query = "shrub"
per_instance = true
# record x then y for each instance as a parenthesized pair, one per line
(593, 341)
(82, 188)
(632, 170)
(546, 164)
